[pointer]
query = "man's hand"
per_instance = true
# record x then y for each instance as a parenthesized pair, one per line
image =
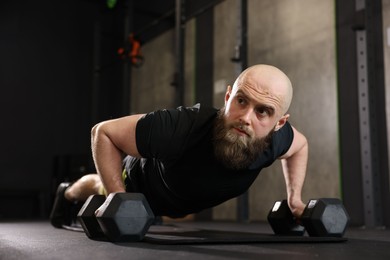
(297, 208)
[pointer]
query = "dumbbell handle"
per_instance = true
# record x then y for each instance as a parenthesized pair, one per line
(87, 219)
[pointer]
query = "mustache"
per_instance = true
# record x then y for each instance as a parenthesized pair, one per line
(242, 127)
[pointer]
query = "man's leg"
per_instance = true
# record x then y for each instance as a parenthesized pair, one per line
(84, 187)
(65, 206)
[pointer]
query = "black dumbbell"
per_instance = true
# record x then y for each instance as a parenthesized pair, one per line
(122, 217)
(325, 217)
(321, 217)
(282, 220)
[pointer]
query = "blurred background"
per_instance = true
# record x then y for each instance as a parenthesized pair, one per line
(67, 65)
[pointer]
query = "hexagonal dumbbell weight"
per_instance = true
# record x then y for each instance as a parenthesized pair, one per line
(125, 217)
(282, 220)
(325, 217)
(87, 218)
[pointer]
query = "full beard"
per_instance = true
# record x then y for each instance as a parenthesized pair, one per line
(235, 151)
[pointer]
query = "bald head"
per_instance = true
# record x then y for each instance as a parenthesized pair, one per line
(268, 79)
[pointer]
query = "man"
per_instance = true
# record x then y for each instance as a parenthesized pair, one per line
(187, 159)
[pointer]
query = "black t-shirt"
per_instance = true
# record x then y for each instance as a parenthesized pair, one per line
(180, 174)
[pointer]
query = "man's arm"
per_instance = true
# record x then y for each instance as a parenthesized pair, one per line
(294, 164)
(110, 141)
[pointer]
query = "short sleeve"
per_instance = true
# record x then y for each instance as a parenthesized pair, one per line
(282, 140)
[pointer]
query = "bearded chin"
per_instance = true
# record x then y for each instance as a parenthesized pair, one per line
(236, 152)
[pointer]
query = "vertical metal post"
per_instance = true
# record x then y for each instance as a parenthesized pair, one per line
(204, 69)
(241, 49)
(361, 92)
(244, 34)
(180, 23)
(346, 21)
(376, 76)
(204, 48)
(241, 61)
(365, 134)
(96, 73)
(126, 67)
(367, 95)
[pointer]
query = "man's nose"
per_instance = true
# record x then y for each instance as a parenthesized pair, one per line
(246, 115)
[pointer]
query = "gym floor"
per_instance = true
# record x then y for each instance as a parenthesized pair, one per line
(39, 240)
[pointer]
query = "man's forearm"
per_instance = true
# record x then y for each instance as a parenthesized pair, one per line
(294, 170)
(108, 160)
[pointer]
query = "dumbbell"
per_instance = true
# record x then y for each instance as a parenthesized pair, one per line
(282, 220)
(122, 217)
(324, 217)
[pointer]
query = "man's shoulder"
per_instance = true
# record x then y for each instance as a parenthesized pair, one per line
(199, 109)
(167, 133)
(181, 120)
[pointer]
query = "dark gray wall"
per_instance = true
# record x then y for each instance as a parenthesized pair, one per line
(45, 84)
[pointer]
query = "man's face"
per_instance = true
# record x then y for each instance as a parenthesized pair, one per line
(253, 111)
(234, 150)
(254, 106)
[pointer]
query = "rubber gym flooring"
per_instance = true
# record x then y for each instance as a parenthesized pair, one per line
(188, 240)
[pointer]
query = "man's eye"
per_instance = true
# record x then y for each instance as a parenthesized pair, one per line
(262, 111)
(241, 100)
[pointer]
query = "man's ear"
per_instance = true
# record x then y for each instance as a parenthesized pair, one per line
(228, 93)
(282, 121)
